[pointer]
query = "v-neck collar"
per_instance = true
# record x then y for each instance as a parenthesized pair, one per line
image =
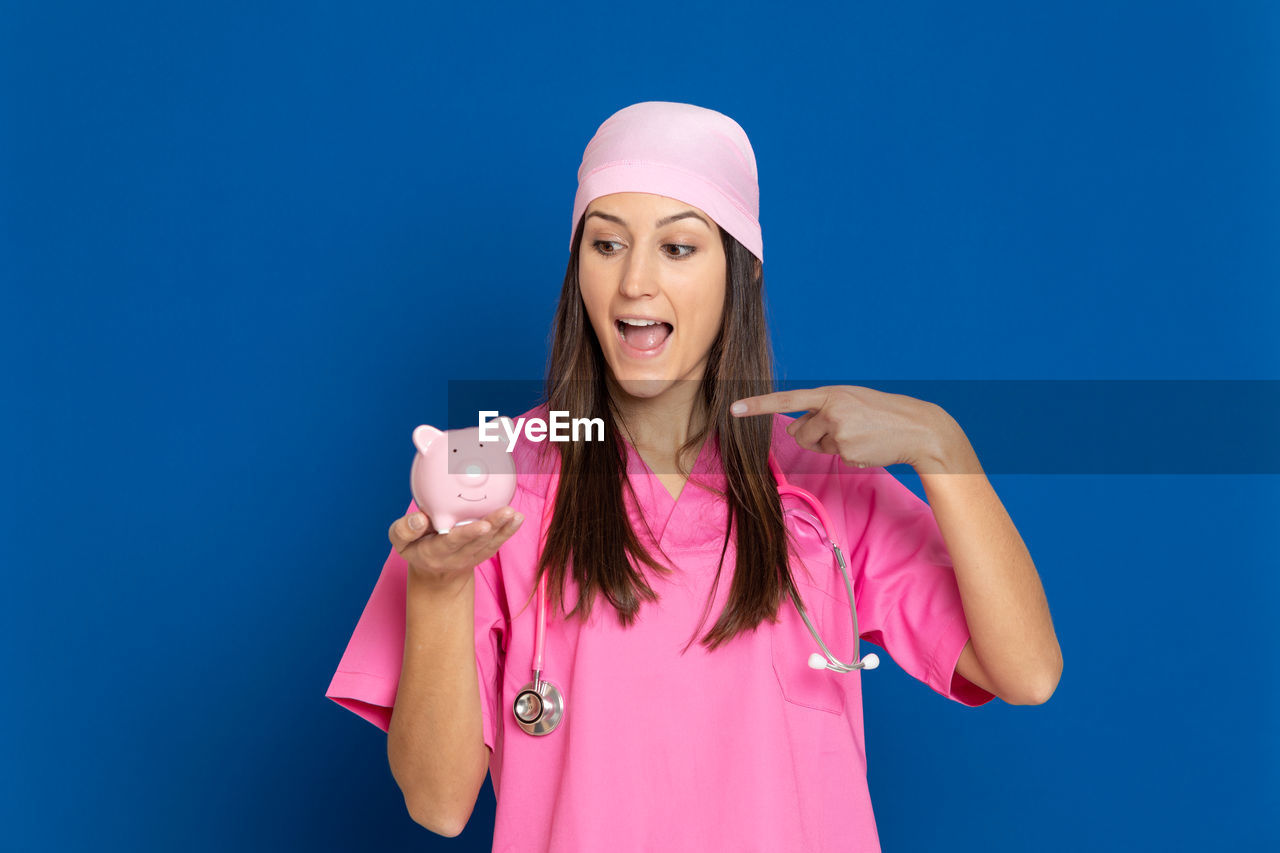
(657, 504)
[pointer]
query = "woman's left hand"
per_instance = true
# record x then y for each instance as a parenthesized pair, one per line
(863, 426)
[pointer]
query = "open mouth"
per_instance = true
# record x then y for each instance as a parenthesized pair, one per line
(645, 336)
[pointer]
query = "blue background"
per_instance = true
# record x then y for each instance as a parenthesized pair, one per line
(244, 247)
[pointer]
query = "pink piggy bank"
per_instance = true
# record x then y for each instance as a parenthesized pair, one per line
(457, 478)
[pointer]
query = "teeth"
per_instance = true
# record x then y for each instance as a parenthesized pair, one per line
(638, 322)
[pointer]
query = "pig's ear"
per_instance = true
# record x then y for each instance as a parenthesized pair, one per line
(508, 427)
(423, 436)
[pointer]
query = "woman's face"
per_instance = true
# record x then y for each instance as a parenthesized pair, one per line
(649, 258)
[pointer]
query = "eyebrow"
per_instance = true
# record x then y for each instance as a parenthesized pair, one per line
(661, 222)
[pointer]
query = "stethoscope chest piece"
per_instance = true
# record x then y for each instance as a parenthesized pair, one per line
(539, 707)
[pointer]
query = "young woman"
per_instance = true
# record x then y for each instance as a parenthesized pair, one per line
(561, 644)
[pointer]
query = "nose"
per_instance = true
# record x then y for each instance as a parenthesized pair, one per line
(474, 473)
(637, 279)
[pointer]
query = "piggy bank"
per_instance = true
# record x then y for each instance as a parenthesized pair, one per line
(456, 478)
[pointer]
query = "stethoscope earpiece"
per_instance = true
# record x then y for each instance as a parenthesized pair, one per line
(817, 661)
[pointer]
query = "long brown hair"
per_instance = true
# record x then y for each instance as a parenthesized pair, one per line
(590, 529)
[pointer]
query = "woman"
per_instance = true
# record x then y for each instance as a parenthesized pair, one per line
(674, 737)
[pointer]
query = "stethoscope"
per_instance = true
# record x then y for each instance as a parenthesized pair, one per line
(539, 706)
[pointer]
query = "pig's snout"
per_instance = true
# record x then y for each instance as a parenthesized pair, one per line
(474, 473)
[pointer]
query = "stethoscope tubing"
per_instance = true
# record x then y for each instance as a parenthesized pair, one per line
(547, 698)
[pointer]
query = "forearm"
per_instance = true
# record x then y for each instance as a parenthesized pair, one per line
(1004, 601)
(435, 742)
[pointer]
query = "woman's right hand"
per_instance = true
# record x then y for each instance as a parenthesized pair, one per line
(450, 557)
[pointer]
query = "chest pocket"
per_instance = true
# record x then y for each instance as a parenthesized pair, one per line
(820, 689)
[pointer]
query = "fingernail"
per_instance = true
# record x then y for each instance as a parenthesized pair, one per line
(518, 518)
(738, 408)
(416, 521)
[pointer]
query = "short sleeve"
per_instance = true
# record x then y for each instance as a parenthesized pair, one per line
(368, 674)
(904, 582)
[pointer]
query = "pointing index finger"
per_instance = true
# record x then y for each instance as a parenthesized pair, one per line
(801, 399)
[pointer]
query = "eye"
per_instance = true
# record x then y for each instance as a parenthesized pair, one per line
(596, 244)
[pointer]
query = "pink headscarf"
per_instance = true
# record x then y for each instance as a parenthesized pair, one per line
(681, 151)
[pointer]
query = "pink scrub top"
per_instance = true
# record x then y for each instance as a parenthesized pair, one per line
(745, 748)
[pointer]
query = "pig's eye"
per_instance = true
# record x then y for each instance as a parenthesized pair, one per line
(455, 450)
